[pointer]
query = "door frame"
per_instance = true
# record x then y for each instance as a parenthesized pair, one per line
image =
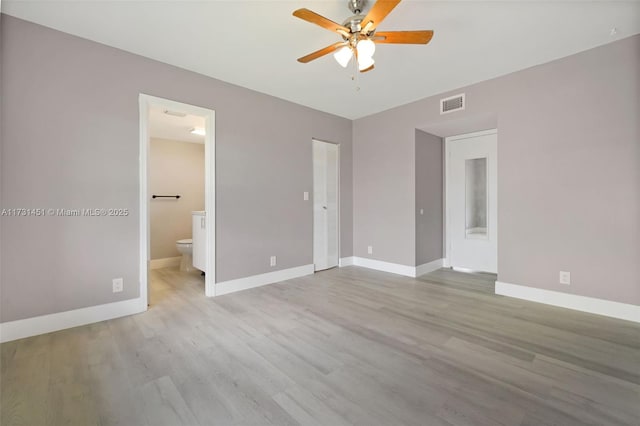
(447, 148)
(338, 205)
(145, 102)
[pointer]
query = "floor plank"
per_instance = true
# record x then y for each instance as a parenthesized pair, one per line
(347, 346)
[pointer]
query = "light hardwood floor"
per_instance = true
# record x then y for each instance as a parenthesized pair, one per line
(345, 346)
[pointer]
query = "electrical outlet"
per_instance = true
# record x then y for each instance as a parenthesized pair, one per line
(370, 249)
(305, 196)
(421, 211)
(272, 261)
(565, 277)
(118, 285)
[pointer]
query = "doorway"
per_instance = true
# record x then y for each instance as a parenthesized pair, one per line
(326, 183)
(472, 201)
(207, 219)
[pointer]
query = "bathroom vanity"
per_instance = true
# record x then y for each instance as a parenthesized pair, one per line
(199, 236)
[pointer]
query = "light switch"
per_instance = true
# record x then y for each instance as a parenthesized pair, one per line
(305, 196)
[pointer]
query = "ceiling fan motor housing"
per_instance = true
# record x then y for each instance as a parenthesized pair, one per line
(354, 23)
(357, 6)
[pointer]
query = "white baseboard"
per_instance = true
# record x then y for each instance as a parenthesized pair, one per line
(345, 261)
(379, 265)
(579, 303)
(425, 268)
(394, 268)
(13, 330)
(246, 283)
(164, 262)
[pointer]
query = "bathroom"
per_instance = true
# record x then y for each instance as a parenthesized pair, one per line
(176, 187)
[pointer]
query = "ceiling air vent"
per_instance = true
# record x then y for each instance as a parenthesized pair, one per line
(451, 104)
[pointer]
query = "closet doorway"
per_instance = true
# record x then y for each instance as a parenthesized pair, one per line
(472, 201)
(326, 223)
(206, 218)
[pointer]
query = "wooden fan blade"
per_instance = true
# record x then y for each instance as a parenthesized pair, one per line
(403, 37)
(319, 53)
(314, 18)
(378, 12)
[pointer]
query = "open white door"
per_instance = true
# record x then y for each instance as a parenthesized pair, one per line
(325, 204)
(472, 201)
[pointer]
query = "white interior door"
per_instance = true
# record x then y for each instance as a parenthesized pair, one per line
(325, 205)
(472, 201)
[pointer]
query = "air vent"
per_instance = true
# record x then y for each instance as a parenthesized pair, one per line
(451, 104)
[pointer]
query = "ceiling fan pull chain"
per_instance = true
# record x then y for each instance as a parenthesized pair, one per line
(355, 76)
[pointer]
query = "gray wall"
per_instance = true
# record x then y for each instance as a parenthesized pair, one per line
(429, 197)
(568, 178)
(175, 167)
(70, 140)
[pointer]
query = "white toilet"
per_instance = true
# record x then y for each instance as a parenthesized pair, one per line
(185, 247)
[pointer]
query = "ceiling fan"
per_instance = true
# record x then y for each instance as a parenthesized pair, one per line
(359, 35)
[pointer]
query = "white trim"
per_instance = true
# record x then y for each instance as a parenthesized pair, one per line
(145, 102)
(210, 201)
(259, 280)
(165, 262)
(447, 219)
(379, 265)
(145, 250)
(425, 268)
(394, 268)
(470, 271)
(345, 261)
(571, 301)
(19, 329)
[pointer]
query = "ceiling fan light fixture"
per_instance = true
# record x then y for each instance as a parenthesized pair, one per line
(357, 32)
(366, 48)
(365, 62)
(343, 56)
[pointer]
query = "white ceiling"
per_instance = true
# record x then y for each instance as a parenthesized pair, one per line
(255, 43)
(166, 126)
